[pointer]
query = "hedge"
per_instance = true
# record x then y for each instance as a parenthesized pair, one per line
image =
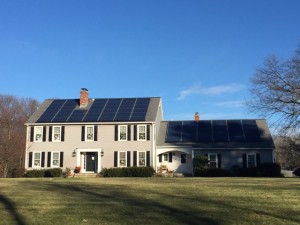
(57, 172)
(128, 172)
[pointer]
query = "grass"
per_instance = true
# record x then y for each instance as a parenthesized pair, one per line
(216, 201)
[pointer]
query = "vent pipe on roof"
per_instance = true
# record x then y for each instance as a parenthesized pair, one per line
(84, 97)
(196, 116)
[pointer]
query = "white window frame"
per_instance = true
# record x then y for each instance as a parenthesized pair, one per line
(121, 127)
(92, 128)
(52, 159)
(40, 139)
(141, 161)
(254, 157)
(165, 157)
(213, 154)
(34, 158)
(139, 132)
(54, 134)
(124, 163)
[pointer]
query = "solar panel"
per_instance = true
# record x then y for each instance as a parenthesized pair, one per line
(125, 109)
(251, 130)
(51, 111)
(204, 131)
(189, 131)
(140, 109)
(219, 130)
(95, 110)
(65, 111)
(235, 130)
(174, 131)
(77, 115)
(110, 110)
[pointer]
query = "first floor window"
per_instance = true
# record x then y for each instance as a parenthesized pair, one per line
(165, 157)
(89, 133)
(183, 158)
(123, 133)
(141, 132)
(122, 159)
(38, 134)
(55, 159)
(36, 159)
(141, 158)
(251, 162)
(212, 160)
(56, 134)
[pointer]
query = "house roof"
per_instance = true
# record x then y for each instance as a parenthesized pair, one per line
(215, 134)
(97, 110)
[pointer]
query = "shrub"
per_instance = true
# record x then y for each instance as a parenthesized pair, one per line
(18, 172)
(269, 170)
(57, 172)
(128, 172)
(248, 172)
(200, 166)
(35, 173)
(217, 172)
(297, 172)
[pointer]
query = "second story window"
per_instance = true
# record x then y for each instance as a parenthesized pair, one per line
(38, 134)
(56, 133)
(123, 133)
(89, 133)
(141, 132)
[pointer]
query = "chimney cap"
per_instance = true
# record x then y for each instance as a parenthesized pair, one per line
(84, 89)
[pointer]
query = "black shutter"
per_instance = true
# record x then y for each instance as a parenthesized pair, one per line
(49, 159)
(134, 158)
(128, 159)
(244, 160)
(148, 132)
(44, 133)
(170, 156)
(82, 133)
(31, 134)
(95, 133)
(160, 158)
(50, 133)
(128, 132)
(116, 132)
(63, 133)
(148, 158)
(61, 159)
(30, 160)
(115, 159)
(135, 132)
(257, 159)
(43, 159)
(219, 161)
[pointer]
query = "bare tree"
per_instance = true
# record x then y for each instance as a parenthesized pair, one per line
(13, 114)
(275, 91)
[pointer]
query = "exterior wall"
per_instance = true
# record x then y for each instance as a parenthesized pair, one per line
(105, 143)
(234, 157)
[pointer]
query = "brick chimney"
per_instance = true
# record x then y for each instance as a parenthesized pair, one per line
(84, 97)
(196, 116)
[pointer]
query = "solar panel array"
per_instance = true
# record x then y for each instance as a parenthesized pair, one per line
(101, 110)
(213, 131)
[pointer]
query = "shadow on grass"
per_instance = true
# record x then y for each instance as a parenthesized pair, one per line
(12, 211)
(127, 208)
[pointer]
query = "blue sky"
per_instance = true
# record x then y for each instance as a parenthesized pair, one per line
(199, 56)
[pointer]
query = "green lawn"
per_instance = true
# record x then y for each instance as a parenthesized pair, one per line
(142, 201)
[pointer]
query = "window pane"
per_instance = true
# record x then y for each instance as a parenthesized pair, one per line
(122, 159)
(90, 133)
(123, 132)
(251, 160)
(142, 159)
(38, 133)
(56, 133)
(142, 132)
(37, 159)
(55, 159)
(165, 157)
(212, 160)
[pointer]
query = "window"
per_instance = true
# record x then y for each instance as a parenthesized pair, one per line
(56, 134)
(55, 159)
(36, 159)
(89, 133)
(165, 157)
(122, 159)
(141, 158)
(183, 158)
(251, 160)
(123, 133)
(212, 161)
(38, 134)
(141, 132)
